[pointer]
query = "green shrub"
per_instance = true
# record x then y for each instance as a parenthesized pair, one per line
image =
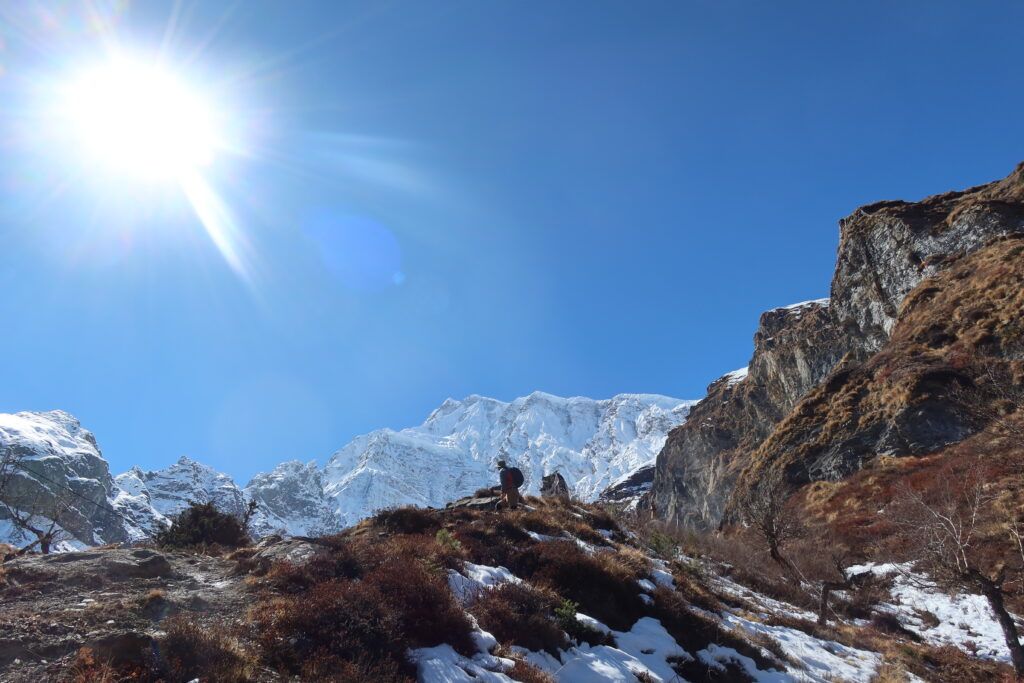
(447, 541)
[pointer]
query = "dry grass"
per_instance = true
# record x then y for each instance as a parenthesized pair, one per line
(517, 614)
(603, 588)
(360, 606)
(190, 649)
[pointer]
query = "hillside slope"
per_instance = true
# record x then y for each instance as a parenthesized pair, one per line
(554, 592)
(796, 404)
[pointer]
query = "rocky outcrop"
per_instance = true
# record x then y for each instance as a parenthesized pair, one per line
(627, 492)
(795, 347)
(58, 466)
(554, 485)
(904, 400)
(886, 250)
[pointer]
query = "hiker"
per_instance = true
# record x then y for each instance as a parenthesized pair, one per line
(511, 478)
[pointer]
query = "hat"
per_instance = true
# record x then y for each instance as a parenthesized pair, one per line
(501, 463)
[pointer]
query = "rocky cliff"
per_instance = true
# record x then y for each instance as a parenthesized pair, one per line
(812, 369)
(795, 347)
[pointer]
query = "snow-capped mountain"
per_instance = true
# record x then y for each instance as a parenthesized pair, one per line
(152, 497)
(48, 462)
(591, 443)
(291, 499)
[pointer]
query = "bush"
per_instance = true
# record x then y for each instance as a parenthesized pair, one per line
(359, 608)
(339, 563)
(202, 524)
(528, 673)
(190, 650)
(335, 621)
(604, 589)
(448, 542)
(566, 613)
(517, 614)
(406, 520)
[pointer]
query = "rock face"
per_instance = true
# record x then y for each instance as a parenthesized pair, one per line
(291, 501)
(887, 248)
(902, 400)
(59, 465)
(826, 353)
(627, 492)
(795, 347)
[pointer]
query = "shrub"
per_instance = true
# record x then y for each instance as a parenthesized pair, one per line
(202, 524)
(190, 650)
(604, 589)
(359, 609)
(335, 620)
(566, 613)
(663, 544)
(427, 612)
(406, 520)
(447, 541)
(517, 614)
(339, 563)
(87, 667)
(528, 673)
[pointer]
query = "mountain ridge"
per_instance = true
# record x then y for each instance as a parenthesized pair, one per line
(452, 453)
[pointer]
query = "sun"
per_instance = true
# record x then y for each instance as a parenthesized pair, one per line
(141, 119)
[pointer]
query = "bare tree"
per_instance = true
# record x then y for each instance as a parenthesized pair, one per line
(947, 531)
(32, 516)
(763, 508)
(842, 580)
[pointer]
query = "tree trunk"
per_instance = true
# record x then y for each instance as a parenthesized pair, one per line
(787, 567)
(994, 595)
(826, 590)
(44, 545)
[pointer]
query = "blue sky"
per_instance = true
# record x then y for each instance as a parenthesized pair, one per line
(445, 198)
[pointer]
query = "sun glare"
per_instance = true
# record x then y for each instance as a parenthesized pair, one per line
(142, 120)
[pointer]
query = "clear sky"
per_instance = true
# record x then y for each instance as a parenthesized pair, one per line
(417, 200)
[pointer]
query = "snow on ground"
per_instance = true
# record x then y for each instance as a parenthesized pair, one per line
(442, 664)
(762, 603)
(644, 649)
(965, 620)
(476, 578)
(822, 660)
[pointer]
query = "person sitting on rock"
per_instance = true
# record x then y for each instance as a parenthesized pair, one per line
(510, 478)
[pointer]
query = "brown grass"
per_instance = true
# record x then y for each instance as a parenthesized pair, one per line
(191, 650)
(604, 589)
(517, 614)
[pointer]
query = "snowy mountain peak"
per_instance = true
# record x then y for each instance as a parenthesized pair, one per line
(591, 443)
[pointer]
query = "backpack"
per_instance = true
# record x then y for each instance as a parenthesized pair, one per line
(516, 476)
